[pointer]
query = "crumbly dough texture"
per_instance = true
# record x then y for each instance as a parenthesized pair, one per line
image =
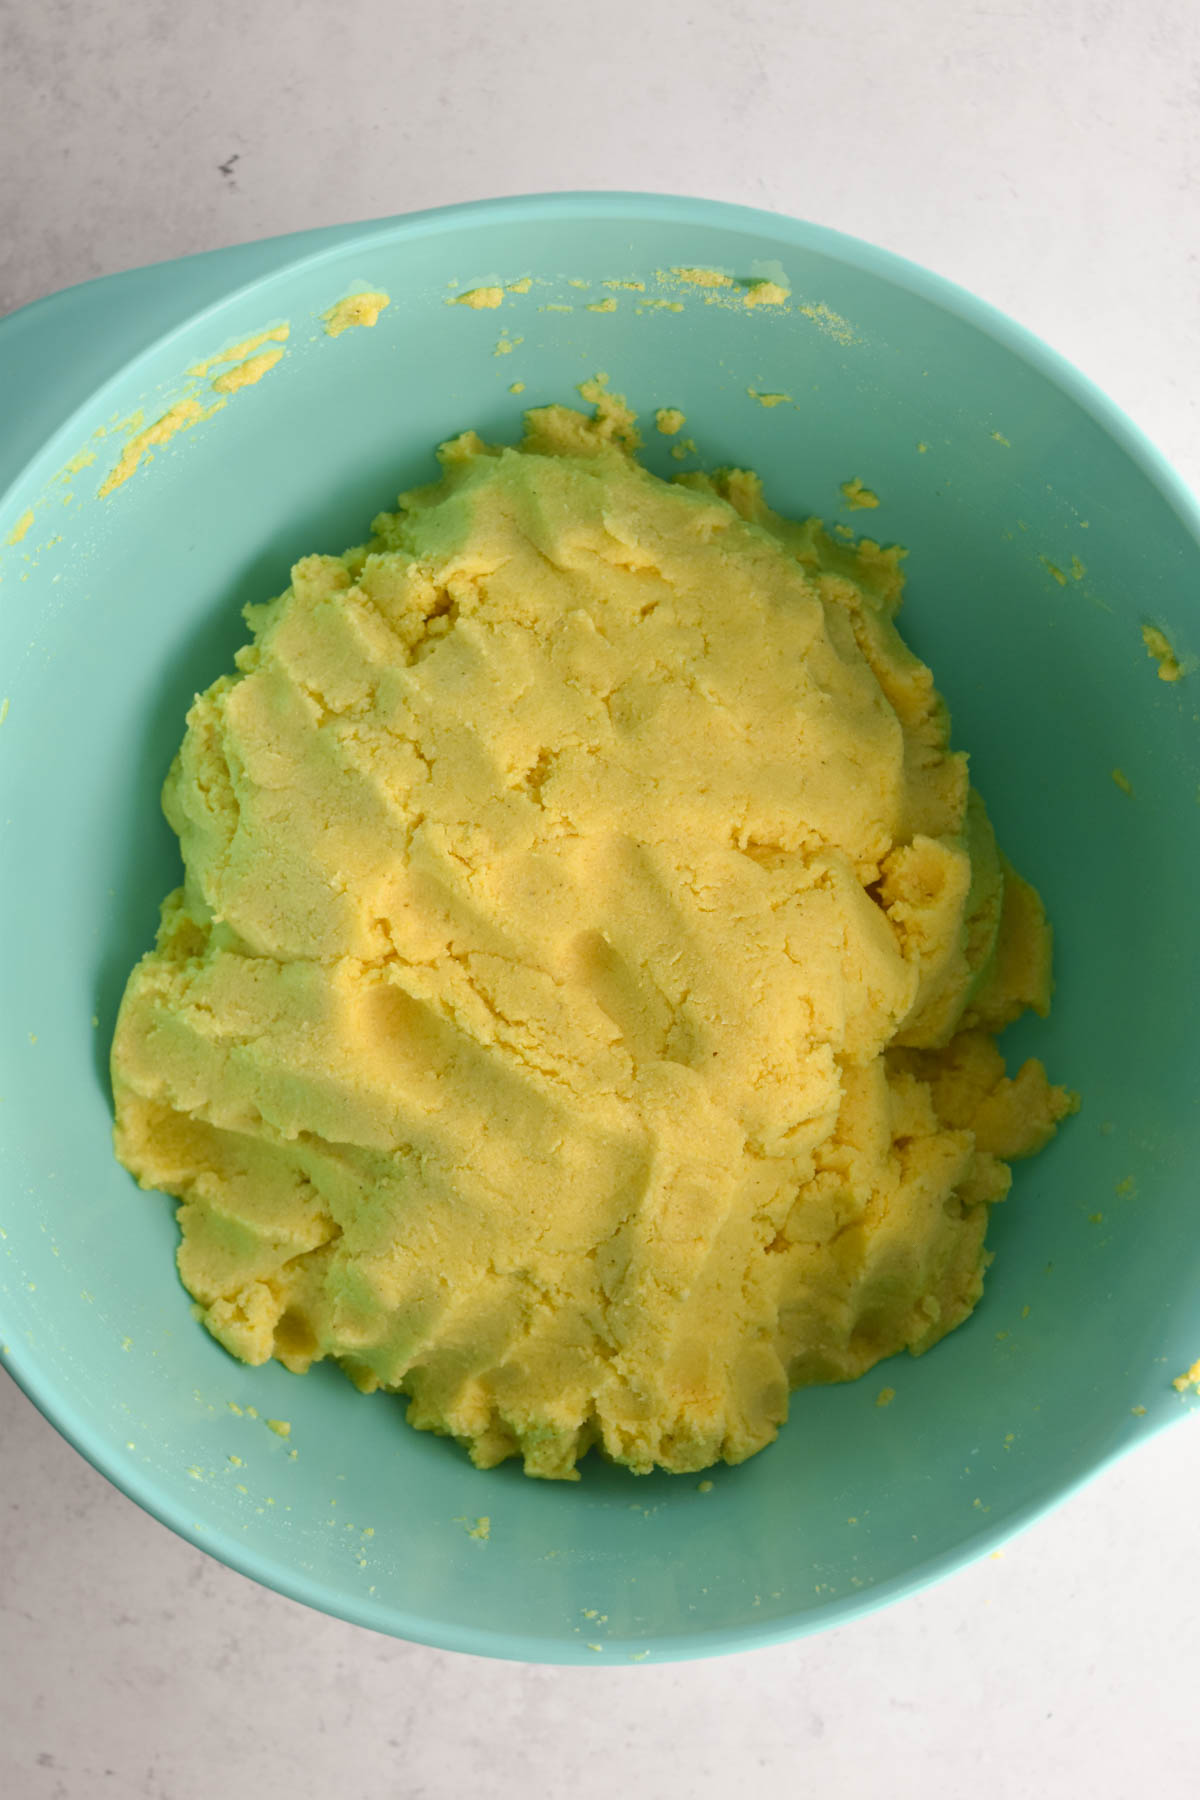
(577, 1012)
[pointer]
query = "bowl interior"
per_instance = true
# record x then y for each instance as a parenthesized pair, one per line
(1041, 538)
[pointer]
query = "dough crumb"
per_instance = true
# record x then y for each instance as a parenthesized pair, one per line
(885, 1396)
(479, 1529)
(1122, 781)
(669, 420)
(179, 417)
(479, 298)
(22, 527)
(1189, 1379)
(857, 495)
(701, 278)
(245, 374)
(1158, 648)
(356, 310)
(765, 293)
(278, 334)
(830, 323)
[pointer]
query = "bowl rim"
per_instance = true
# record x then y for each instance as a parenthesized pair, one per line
(379, 1614)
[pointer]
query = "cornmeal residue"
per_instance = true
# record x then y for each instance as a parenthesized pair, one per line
(81, 460)
(245, 374)
(480, 1529)
(669, 420)
(765, 293)
(278, 335)
(885, 1396)
(768, 400)
(355, 310)
(479, 298)
(701, 278)
(177, 418)
(22, 528)
(831, 323)
(1189, 1379)
(857, 495)
(520, 287)
(1158, 647)
(1122, 781)
(578, 1012)
(603, 306)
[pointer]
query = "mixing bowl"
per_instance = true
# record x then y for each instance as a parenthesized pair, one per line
(1043, 535)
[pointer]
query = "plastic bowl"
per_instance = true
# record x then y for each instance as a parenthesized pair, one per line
(1043, 534)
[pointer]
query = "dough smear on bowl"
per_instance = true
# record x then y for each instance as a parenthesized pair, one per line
(578, 1012)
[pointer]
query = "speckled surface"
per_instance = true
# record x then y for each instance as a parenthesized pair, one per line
(1045, 156)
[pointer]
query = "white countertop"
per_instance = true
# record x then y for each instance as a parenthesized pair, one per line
(1045, 153)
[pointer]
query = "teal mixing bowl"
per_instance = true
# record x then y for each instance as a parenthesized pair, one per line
(1043, 534)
